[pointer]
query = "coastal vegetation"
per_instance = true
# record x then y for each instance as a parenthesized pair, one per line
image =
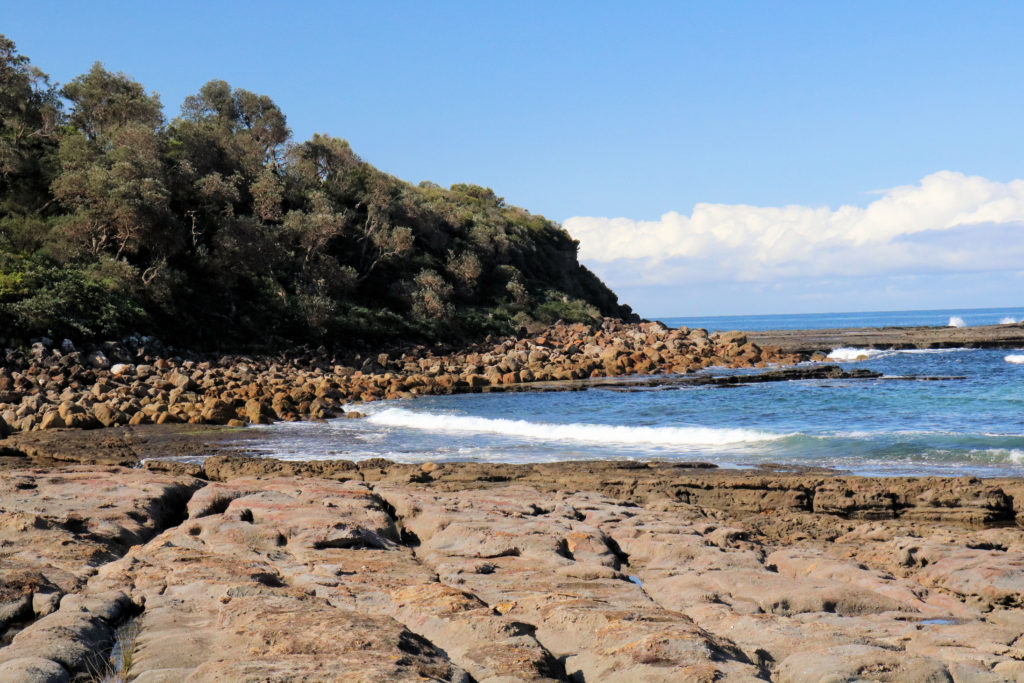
(216, 228)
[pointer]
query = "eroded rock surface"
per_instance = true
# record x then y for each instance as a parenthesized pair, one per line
(596, 572)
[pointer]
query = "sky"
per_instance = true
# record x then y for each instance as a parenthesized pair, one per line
(713, 158)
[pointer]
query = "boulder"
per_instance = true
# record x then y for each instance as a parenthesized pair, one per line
(257, 412)
(217, 411)
(107, 415)
(98, 359)
(734, 338)
(119, 369)
(52, 420)
(33, 670)
(181, 381)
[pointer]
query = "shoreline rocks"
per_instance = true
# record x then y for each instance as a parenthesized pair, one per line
(139, 382)
(135, 384)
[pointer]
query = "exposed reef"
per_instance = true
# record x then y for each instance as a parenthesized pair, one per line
(247, 569)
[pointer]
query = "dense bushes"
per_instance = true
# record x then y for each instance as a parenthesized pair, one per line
(216, 228)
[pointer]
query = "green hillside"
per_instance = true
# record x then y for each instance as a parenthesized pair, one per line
(217, 229)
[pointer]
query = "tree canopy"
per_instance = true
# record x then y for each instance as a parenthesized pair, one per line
(216, 228)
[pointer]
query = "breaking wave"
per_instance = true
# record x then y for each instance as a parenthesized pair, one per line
(956, 321)
(1011, 455)
(847, 354)
(1015, 358)
(591, 433)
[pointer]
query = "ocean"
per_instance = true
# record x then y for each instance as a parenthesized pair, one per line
(826, 321)
(970, 426)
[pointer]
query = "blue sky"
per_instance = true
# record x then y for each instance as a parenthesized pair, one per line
(644, 112)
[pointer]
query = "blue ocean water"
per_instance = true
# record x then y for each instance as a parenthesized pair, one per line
(970, 426)
(824, 321)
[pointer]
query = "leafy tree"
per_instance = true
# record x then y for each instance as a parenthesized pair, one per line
(117, 197)
(251, 127)
(217, 228)
(431, 297)
(103, 101)
(30, 112)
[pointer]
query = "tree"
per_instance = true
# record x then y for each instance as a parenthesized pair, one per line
(112, 220)
(329, 164)
(311, 231)
(103, 101)
(431, 296)
(250, 127)
(118, 201)
(30, 112)
(466, 268)
(112, 177)
(379, 238)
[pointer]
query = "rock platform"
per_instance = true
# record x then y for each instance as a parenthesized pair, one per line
(245, 569)
(807, 342)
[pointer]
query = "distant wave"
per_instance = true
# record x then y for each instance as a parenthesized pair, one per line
(1015, 358)
(848, 353)
(1009, 321)
(956, 321)
(597, 433)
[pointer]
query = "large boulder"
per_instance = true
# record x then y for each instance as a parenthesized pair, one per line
(108, 415)
(181, 381)
(217, 411)
(33, 670)
(52, 420)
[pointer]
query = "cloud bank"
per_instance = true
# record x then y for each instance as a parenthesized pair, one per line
(947, 223)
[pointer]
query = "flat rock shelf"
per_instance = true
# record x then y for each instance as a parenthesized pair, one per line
(806, 342)
(251, 569)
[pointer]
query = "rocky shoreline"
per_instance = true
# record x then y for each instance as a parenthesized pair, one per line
(246, 569)
(139, 382)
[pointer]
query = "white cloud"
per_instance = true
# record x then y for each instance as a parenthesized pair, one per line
(949, 222)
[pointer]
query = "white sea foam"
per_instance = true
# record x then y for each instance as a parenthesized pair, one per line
(847, 354)
(1009, 321)
(956, 321)
(1015, 358)
(592, 433)
(998, 455)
